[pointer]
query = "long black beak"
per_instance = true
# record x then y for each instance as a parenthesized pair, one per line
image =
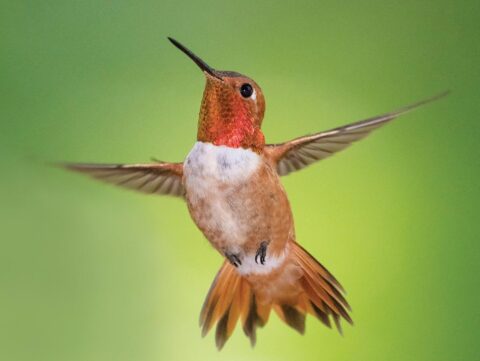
(201, 64)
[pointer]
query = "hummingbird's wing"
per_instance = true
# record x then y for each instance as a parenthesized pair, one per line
(301, 152)
(158, 178)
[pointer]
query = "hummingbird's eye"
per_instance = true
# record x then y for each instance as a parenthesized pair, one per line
(246, 90)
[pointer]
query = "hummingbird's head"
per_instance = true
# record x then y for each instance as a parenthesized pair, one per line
(232, 108)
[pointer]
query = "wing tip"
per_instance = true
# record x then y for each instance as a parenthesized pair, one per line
(83, 167)
(63, 165)
(430, 99)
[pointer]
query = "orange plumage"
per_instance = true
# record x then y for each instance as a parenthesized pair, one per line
(310, 289)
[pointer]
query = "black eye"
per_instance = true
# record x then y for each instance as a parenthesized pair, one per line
(246, 90)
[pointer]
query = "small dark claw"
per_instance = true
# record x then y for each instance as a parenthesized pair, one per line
(261, 253)
(234, 259)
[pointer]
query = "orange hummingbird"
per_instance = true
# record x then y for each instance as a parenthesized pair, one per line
(230, 181)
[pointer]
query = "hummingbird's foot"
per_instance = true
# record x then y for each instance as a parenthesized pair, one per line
(233, 258)
(261, 253)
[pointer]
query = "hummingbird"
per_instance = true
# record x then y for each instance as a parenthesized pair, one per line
(231, 184)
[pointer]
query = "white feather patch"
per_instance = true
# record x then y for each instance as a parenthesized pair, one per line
(249, 266)
(210, 174)
(254, 95)
(219, 163)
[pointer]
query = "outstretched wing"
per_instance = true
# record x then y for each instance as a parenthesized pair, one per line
(301, 152)
(158, 178)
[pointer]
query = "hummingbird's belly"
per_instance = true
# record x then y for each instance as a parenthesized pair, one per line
(235, 199)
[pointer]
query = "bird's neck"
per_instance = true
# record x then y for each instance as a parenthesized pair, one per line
(238, 132)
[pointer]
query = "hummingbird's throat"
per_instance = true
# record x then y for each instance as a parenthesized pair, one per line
(237, 133)
(229, 123)
(238, 138)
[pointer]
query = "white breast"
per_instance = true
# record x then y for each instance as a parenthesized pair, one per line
(220, 163)
(211, 173)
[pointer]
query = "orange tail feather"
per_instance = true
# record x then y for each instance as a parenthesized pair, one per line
(233, 297)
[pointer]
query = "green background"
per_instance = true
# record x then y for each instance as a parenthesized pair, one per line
(94, 272)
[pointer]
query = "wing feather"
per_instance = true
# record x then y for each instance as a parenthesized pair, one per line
(154, 178)
(303, 151)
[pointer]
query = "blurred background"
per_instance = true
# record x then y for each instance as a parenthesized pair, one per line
(93, 272)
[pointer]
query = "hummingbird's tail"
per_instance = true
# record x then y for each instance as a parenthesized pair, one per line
(230, 297)
(300, 286)
(322, 293)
